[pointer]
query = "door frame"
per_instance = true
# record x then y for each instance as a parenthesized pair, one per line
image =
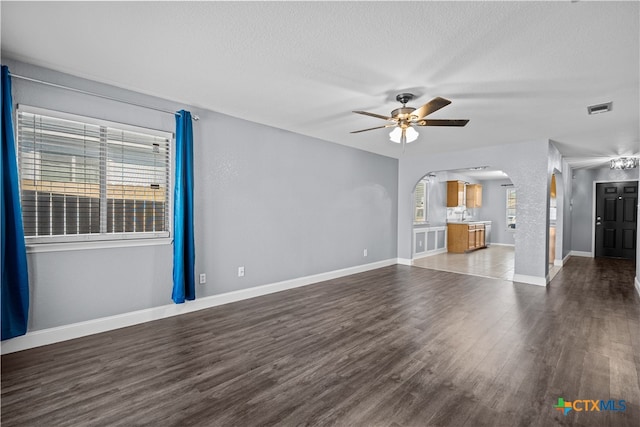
(559, 259)
(593, 209)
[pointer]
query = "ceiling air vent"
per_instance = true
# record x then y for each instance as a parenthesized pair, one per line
(600, 108)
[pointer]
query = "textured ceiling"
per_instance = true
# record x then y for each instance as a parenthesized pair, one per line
(518, 70)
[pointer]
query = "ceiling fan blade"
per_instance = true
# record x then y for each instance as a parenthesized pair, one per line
(379, 116)
(377, 127)
(434, 105)
(459, 123)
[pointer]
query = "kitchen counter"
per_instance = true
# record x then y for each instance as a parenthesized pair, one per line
(469, 222)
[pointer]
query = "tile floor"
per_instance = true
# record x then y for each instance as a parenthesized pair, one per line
(495, 261)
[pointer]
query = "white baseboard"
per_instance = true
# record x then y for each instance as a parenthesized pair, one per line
(404, 261)
(530, 280)
(565, 259)
(637, 285)
(582, 254)
(430, 253)
(95, 326)
(501, 244)
(561, 262)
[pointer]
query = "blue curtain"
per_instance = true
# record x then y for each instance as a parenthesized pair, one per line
(184, 251)
(15, 279)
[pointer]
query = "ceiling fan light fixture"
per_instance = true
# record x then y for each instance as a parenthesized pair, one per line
(412, 134)
(404, 119)
(396, 135)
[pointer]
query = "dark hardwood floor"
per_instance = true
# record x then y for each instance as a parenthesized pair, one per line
(398, 346)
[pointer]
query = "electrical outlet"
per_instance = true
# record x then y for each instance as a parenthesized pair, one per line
(365, 253)
(241, 271)
(203, 278)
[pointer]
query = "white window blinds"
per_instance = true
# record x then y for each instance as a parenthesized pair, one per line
(511, 208)
(84, 178)
(420, 213)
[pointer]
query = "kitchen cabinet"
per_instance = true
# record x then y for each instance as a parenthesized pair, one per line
(480, 237)
(465, 237)
(455, 194)
(474, 195)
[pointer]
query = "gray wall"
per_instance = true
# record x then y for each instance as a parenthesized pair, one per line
(287, 206)
(438, 200)
(582, 206)
(567, 209)
(581, 210)
(280, 204)
(494, 209)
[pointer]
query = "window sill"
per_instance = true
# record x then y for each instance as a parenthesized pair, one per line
(96, 244)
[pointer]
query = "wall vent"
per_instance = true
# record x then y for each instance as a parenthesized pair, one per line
(600, 108)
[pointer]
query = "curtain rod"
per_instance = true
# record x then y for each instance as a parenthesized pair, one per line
(85, 92)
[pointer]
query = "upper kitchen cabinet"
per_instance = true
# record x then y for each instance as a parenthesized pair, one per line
(455, 194)
(474, 196)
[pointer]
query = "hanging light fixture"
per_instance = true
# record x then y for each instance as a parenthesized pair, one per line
(395, 135)
(624, 163)
(412, 134)
(409, 133)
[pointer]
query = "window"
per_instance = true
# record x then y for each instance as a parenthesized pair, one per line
(86, 179)
(420, 205)
(511, 208)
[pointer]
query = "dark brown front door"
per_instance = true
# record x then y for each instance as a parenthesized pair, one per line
(616, 219)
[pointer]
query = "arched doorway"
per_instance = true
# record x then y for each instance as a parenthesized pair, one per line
(555, 224)
(484, 201)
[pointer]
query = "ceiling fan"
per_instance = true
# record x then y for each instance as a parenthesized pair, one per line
(405, 118)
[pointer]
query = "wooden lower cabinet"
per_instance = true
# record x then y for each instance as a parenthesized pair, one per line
(465, 237)
(480, 240)
(471, 244)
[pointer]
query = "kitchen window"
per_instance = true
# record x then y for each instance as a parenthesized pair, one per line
(420, 202)
(511, 208)
(84, 179)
